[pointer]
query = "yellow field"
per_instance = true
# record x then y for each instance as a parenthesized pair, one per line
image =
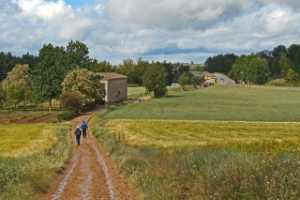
(172, 133)
(26, 140)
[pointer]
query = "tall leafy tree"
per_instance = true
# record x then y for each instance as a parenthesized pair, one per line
(279, 50)
(76, 55)
(296, 63)
(48, 75)
(292, 76)
(183, 80)
(154, 79)
(250, 68)
(285, 65)
(292, 50)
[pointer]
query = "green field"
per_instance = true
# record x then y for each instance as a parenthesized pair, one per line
(217, 103)
(135, 90)
(26, 140)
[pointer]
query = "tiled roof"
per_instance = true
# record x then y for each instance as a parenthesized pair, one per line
(111, 75)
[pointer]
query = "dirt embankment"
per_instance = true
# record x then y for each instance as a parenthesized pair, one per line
(90, 173)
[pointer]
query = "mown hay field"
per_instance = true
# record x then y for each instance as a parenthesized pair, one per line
(178, 133)
(26, 140)
(218, 103)
(33, 156)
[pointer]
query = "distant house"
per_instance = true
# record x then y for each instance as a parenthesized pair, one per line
(115, 86)
(209, 78)
(175, 85)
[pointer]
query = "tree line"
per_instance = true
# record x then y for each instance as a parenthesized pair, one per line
(55, 73)
(259, 68)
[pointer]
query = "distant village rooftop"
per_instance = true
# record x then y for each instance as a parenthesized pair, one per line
(111, 76)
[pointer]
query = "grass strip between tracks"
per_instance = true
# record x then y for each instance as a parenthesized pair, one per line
(28, 177)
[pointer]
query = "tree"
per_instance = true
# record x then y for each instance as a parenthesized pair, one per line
(76, 55)
(127, 69)
(194, 81)
(254, 69)
(292, 50)
(184, 68)
(84, 82)
(284, 65)
(15, 95)
(279, 50)
(297, 62)
(103, 66)
(220, 63)
(183, 80)
(275, 68)
(154, 79)
(48, 75)
(16, 85)
(71, 100)
(292, 76)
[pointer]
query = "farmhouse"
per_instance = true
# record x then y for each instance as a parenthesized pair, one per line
(209, 78)
(115, 86)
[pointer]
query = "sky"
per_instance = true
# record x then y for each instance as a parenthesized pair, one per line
(171, 30)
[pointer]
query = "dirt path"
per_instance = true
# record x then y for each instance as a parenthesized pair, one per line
(90, 173)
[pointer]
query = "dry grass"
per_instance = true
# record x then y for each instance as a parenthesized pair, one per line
(26, 140)
(135, 90)
(177, 133)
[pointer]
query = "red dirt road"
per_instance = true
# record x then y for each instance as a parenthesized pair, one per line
(90, 173)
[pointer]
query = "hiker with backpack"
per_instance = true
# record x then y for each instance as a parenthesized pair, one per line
(78, 135)
(84, 126)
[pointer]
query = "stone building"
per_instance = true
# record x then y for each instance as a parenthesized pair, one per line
(209, 78)
(115, 86)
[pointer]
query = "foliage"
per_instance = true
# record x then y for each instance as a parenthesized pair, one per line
(250, 68)
(15, 95)
(278, 82)
(284, 65)
(2, 100)
(99, 101)
(134, 71)
(220, 63)
(46, 78)
(71, 100)
(30, 176)
(89, 106)
(103, 66)
(184, 68)
(228, 104)
(199, 68)
(155, 79)
(194, 81)
(183, 80)
(85, 82)
(8, 62)
(76, 55)
(169, 67)
(296, 63)
(67, 115)
(292, 76)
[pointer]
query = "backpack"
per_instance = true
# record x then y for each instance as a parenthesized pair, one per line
(83, 127)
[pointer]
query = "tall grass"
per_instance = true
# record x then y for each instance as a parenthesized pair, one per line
(28, 177)
(211, 172)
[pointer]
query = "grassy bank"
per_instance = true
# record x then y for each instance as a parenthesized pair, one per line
(217, 103)
(210, 172)
(28, 177)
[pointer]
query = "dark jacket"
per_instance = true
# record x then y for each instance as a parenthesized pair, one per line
(78, 133)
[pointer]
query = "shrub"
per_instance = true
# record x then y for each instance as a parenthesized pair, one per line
(99, 101)
(52, 120)
(71, 100)
(24, 117)
(11, 120)
(34, 118)
(89, 106)
(278, 82)
(66, 115)
(29, 120)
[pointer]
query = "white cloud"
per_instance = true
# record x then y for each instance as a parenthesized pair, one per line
(177, 31)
